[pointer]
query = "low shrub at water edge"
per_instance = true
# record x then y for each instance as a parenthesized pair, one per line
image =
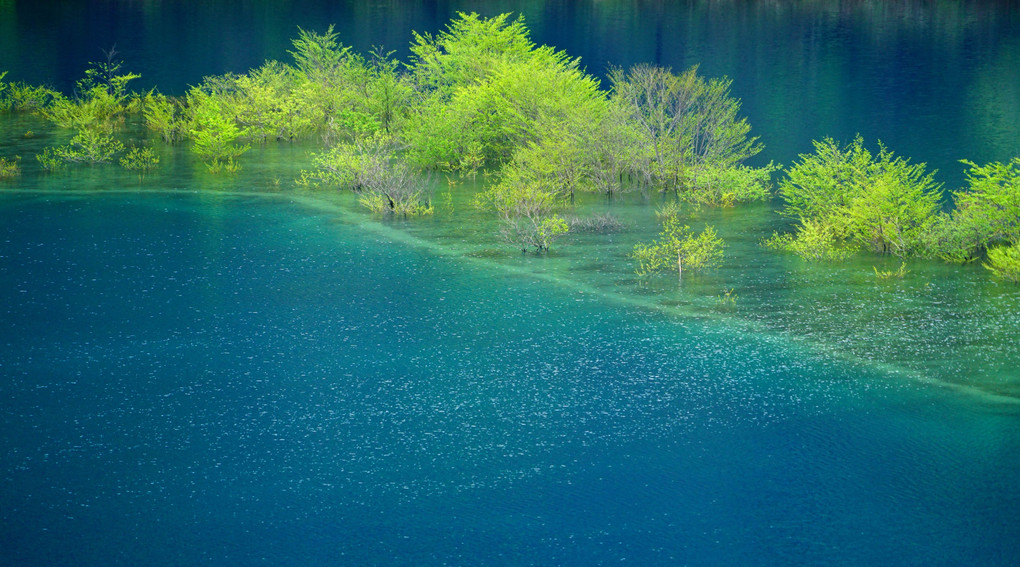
(595, 223)
(10, 167)
(1004, 262)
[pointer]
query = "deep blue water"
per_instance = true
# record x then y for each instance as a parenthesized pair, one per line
(202, 379)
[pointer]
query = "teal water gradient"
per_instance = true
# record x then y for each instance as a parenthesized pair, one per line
(244, 379)
(225, 370)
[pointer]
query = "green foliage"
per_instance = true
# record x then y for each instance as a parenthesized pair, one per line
(89, 146)
(334, 86)
(106, 76)
(528, 213)
(22, 97)
(822, 184)
(686, 123)
(9, 167)
(141, 160)
(165, 116)
(50, 160)
(320, 57)
(889, 274)
(266, 106)
(728, 298)
(214, 132)
(467, 51)
(727, 186)
(554, 164)
(609, 149)
(371, 167)
(101, 98)
(678, 248)
(533, 232)
(844, 196)
(489, 92)
(668, 209)
(1004, 262)
(895, 210)
(816, 240)
(988, 210)
(389, 93)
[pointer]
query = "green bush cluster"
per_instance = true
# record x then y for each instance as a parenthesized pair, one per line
(844, 198)
(678, 248)
(481, 96)
(10, 167)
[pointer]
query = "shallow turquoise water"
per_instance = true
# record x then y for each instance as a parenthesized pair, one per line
(247, 379)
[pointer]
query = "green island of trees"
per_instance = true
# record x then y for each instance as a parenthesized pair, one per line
(480, 96)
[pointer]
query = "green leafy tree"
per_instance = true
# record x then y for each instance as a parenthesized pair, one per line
(611, 154)
(214, 132)
(845, 196)
(679, 248)
(816, 240)
(9, 168)
(101, 99)
(165, 116)
(140, 160)
(333, 87)
(988, 209)
(371, 167)
(895, 210)
(22, 97)
(90, 146)
(1004, 262)
(822, 184)
(266, 107)
(389, 92)
(528, 213)
(727, 186)
(487, 91)
(467, 51)
(687, 123)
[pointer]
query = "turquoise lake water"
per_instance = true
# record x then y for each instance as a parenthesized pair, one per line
(228, 370)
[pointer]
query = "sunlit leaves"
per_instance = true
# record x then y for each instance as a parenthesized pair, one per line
(1004, 262)
(371, 167)
(845, 196)
(686, 122)
(678, 248)
(214, 132)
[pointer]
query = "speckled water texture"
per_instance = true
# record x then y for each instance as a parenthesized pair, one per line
(227, 370)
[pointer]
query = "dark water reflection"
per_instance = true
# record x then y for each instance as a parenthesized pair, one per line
(936, 81)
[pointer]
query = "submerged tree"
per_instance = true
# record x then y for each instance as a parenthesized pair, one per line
(845, 196)
(679, 248)
(214, 132)
(1004, 262)
(487, 91)
(987, 212)
(371, 167)
(687, 123)
(528, 212)
(101, 98)
(334, 85)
